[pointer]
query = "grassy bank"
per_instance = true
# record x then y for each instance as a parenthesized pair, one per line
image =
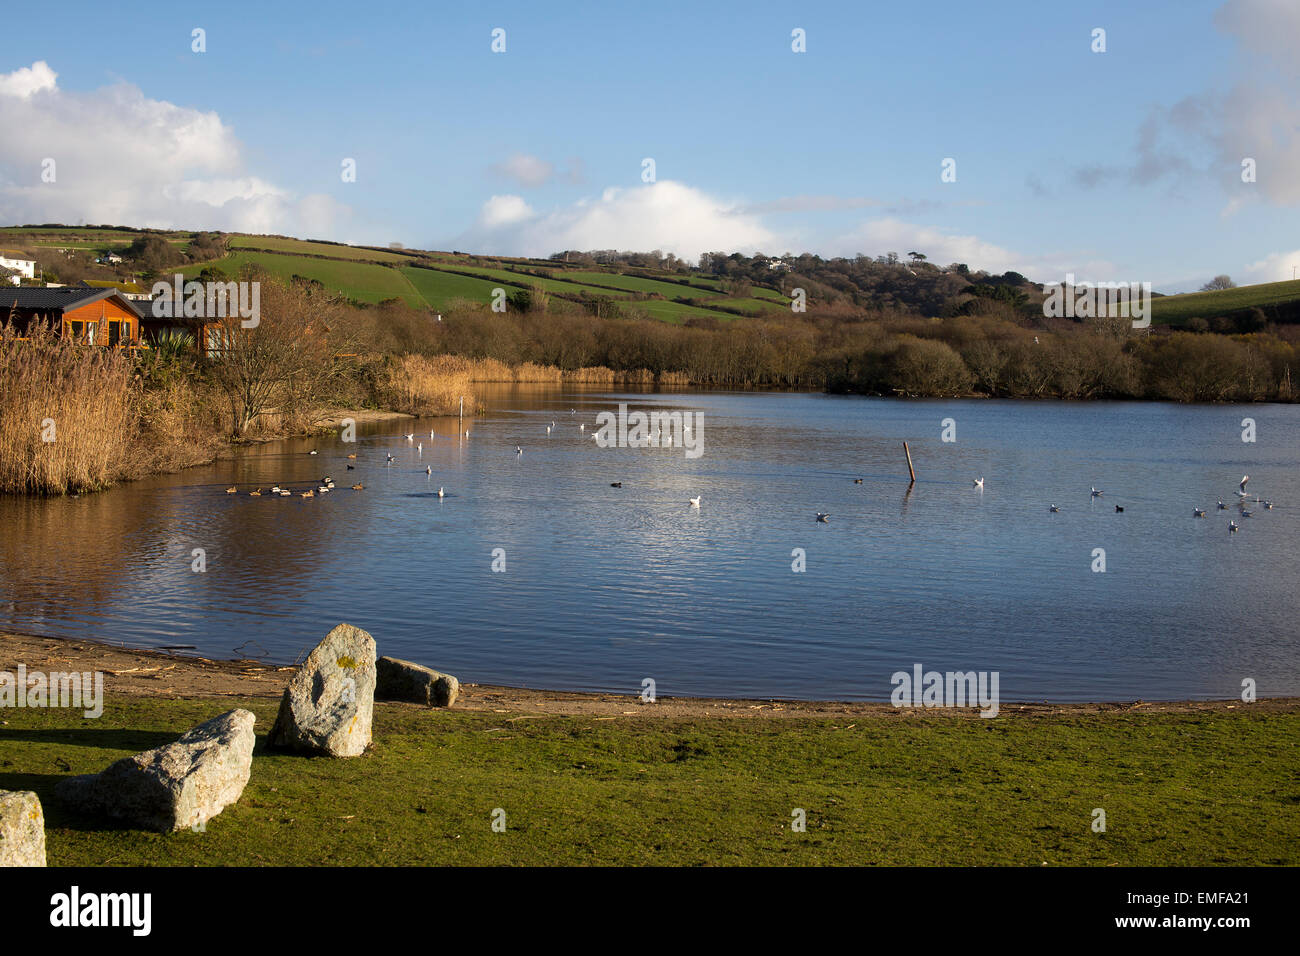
(908, 788)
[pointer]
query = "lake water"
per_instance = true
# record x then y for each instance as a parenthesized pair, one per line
(606, 586)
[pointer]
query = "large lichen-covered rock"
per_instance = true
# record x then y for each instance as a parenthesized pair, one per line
(328, 706)
(183, 784)
(22, 829)
(402, 680)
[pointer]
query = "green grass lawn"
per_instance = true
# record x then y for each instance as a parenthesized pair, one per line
(362, 281)
(1177, 309)
(1178, 789)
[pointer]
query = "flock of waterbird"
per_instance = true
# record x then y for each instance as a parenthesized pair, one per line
(1243, 500)
(326, 483)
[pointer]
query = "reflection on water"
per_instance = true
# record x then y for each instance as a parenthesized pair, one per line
(605, 586)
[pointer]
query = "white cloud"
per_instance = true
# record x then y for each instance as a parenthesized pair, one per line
(1206, 136)
(526, 170)
(666, 215)
(878, 236)
(1263, 124)
(532, 171)
(1272, 268)
(28, 80)
(944, 246)
(121, 157)
(504, 211)
(1270, 27)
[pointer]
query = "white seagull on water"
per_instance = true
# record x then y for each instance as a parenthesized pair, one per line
(978, 483)
(695, 502)
(1241, 488)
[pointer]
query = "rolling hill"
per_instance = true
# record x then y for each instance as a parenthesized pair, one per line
(419, 277)
(438, 279)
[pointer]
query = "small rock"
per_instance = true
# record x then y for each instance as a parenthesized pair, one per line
(328, 706)
(183, 784)
(22, 829)
(402, 680)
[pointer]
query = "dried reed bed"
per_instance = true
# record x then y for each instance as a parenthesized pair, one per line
(67, 414)
(592, 375)
(429, 386)
(492, 370)
(538, 374)
(180, 425)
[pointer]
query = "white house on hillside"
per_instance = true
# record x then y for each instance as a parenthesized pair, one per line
(25, 268)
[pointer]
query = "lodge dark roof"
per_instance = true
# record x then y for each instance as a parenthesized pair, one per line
(39, 299)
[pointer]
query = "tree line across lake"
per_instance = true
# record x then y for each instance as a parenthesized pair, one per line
(995, 350)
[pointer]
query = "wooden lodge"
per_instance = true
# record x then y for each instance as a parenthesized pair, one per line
(99, 316)
(89, 316)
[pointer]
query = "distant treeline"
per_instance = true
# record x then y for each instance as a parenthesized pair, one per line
(889, 281)
(994, 352)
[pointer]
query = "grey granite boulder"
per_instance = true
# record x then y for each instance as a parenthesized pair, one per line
(328, 706)
(402, 680)
(183, 784)
(22, 829)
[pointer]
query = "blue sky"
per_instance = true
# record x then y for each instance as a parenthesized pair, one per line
(1122, 165)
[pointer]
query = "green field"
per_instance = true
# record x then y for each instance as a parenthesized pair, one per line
(1178, 789)
(1177, 309)
(550, 285)
(92, 234)
(357, 273)
(439, 288)
(669, 290)
(362, 281)
(754, 305)
(84, 244)
(307, 247)
(671, 311)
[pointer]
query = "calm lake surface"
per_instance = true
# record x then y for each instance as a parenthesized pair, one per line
(606, 586)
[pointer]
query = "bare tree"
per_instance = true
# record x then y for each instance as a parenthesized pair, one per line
(1219, 282)
(284, 363)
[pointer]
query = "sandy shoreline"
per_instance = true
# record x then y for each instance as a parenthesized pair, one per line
(148, 673)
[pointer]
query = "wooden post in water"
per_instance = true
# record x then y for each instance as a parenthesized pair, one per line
(462, 414)
(910, 470)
